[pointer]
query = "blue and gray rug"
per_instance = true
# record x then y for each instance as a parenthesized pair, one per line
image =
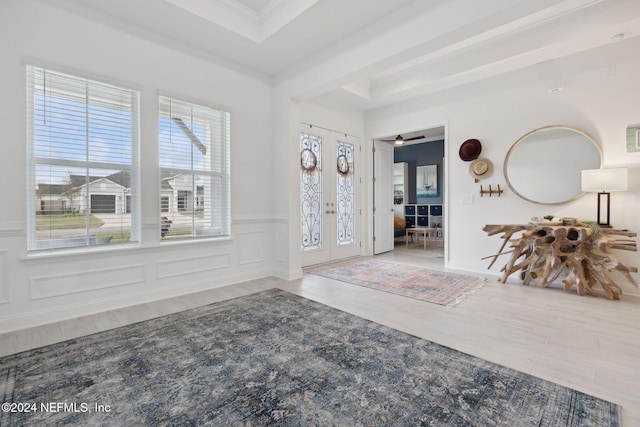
(273, 358)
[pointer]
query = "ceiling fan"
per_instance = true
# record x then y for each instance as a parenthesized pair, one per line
(400, 140)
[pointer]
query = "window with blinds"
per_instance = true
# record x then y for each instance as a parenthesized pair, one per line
(83, 139)
(194, 146)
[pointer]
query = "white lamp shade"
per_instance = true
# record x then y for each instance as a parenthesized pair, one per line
(596, 180)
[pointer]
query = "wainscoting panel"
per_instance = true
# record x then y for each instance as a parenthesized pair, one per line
(191, 265)
(252, 247)
(82, 281)
(12, 229)
(281, 239)
(4, 277)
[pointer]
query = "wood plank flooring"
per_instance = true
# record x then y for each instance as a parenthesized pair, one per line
(587, 343)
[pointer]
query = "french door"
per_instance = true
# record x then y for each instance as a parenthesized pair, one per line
(329, 200)
(383, 197)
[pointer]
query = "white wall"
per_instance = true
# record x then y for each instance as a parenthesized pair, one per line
(41, 289)
(498, 112)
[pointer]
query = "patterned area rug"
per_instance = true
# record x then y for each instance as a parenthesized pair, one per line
(273, 358)
(414, 282)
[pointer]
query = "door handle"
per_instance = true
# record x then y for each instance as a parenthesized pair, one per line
(330, 212)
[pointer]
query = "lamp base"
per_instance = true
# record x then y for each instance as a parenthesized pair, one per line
(605, 221)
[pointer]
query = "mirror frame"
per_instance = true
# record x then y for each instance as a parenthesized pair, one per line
(533, 132)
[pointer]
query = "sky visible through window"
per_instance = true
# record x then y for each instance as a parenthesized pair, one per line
(176, 149)
(67, 132)
(72, 131)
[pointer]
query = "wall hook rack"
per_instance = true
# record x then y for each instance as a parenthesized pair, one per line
(491, 191)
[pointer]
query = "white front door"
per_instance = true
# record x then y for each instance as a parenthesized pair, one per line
(329, 200)
(383, 197)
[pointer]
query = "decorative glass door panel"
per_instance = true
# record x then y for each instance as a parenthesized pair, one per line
(328, 196)
(310, 191)
(345, 190)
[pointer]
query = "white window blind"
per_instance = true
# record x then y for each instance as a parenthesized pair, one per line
(194, 145)
(82, 155)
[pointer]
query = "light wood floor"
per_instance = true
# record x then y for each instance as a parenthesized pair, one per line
(587, 343)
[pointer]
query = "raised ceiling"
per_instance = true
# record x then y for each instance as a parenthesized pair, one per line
(256, 20)
(372, 53)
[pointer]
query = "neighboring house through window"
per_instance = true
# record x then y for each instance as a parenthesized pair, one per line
(194, 146)
(83, 138)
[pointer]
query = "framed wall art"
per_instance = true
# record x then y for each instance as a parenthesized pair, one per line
(426, 181)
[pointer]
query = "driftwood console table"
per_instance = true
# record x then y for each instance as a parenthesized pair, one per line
(543, 252)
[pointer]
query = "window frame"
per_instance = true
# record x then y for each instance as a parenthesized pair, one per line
(223, 231)
(130, 165)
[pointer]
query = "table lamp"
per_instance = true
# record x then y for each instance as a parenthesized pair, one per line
(603, 181)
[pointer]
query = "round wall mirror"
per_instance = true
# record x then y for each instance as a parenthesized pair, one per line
(545, 165)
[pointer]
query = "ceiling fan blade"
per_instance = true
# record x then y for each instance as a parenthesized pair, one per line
(413, 138)
(398, 140)
(392, 140)
(402, 139)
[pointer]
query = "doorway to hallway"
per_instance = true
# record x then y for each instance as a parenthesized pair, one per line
(409, 193)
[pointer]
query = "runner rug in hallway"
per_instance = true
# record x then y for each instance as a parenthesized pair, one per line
(437, 287)
(277, 359)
